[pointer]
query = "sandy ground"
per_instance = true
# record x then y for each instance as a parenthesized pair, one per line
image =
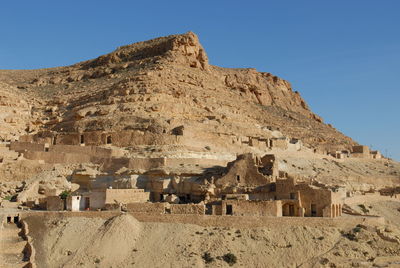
(122, 241)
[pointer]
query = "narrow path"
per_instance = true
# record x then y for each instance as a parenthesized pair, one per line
(11, 246)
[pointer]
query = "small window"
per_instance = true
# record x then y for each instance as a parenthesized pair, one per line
(46, 149)
(238, 178)
(292, 195)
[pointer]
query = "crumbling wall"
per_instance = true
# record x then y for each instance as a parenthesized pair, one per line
(26, 146)
(29, 251)
(361, 151)
(252, 208)
(152, 208)
(198, 209)
(126, 196)
(243, 171)
(280, 143)
(58, 157)
(54, 203)
(89, 150)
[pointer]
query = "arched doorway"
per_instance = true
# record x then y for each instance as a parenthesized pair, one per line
(289, 210)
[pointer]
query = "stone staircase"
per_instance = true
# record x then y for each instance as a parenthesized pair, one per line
(12, 245)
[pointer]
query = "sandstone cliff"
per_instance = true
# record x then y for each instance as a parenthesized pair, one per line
(164, 83)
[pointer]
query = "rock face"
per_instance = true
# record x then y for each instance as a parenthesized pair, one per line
(160, 85)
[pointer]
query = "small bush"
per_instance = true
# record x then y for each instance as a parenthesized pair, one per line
(207, 257)
(8, 197)
(350, 236)
(324, 261)
(363, 208)
(97, 261)
(357, 229)
(64, 194)
(229, 258)
(321, 238)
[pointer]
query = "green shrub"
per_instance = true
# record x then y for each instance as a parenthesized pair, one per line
(11, 198)
(64, 194)
(229, 258)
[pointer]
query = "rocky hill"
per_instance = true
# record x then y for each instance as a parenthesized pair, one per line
(159, 86)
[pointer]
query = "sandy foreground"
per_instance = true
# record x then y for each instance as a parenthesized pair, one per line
(124, 241)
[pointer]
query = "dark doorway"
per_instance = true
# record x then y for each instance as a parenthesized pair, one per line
(209, 209)
(292, 195)
(313, 210)
(16, 219)
(229, 210)
(82, 139)
(238, 178)
(291, 210)
(108, 139)
(8, 219)
(87, 202)
(54, 140)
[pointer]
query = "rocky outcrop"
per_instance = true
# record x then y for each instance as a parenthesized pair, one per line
(157, 85)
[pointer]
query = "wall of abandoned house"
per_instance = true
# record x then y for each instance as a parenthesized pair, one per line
(195, 161)
(152, 208)
(361, 151)
(73, 203)
(376, 155)
(279, 143)
(243, 171)
(314, 201)
(121, 138)
(26, 146)
(97, 199)
(292, 208)
(54, 203)
(251, 208)
(270, 164)
(198, 209)
(126, 196)
(55, 157)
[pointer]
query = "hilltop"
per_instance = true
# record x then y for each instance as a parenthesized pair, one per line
(161, 84)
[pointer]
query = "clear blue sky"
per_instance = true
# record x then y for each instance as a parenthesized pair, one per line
(343, 56)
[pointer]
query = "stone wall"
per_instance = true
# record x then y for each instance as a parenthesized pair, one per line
(29, 251)
(243, 171)
(252, 208)
(198, 209)
(126, 196)
(54, 203)
(90, 150)
(57, 157)
(152, 208)
(26, 146)
(122, 138)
